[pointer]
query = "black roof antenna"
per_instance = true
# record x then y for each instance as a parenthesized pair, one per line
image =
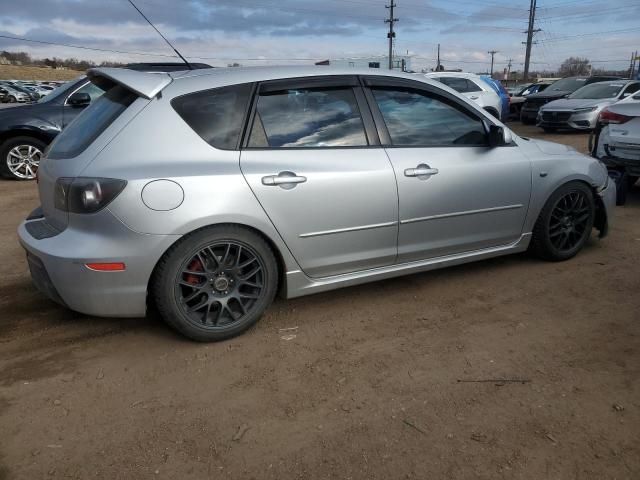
(163, 37)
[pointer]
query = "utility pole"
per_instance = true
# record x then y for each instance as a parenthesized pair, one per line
(632, 65)
(391, 35)
(509, 69)
(530, 31)
(438, 64)
(492, 53)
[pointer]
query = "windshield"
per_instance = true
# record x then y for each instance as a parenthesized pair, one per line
(62, 90)
(598, 90)
(567, 85)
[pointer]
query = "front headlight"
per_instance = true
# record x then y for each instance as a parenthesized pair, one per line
(583, 110)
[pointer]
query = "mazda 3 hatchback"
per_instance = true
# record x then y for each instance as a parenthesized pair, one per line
(208, 192)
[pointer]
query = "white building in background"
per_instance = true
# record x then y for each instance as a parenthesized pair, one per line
(382, 61)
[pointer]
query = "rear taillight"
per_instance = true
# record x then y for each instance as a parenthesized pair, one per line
(86, 195)
(607, 116)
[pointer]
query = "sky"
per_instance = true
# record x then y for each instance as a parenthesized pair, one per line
(259, 32)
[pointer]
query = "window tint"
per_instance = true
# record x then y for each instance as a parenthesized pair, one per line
(91, 122)
(308, 118)
(216, 115)
(461, 85)
(418, 119)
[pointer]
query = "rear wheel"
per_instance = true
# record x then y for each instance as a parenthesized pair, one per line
(216, 283)
(565, 223)
(20, 157)
(12, 99)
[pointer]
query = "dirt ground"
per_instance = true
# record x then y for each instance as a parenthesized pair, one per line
(396, 379)
(23, 72)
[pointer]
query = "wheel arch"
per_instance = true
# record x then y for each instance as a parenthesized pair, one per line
(537, 205)
(25, 132)
(281, 264)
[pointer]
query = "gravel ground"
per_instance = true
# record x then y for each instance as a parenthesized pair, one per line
(395, 379)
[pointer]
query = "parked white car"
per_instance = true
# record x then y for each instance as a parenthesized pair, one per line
(473, 87)
(616, 142)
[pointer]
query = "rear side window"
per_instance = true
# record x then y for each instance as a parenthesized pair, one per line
(92, 122)
(216, 115)
(314, 117)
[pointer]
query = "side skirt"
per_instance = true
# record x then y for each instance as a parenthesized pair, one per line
(298, 284)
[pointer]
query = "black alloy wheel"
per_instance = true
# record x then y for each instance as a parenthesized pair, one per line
(216, 282)
(565, 222)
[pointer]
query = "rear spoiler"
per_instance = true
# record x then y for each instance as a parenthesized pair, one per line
(147, 85)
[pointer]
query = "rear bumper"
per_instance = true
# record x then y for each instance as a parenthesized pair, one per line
(57, 265)
(632, 167)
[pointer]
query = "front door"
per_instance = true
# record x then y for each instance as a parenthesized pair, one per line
(313, 161)
(456, 194)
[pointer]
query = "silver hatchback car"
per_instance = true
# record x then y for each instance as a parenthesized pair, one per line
(207, 192)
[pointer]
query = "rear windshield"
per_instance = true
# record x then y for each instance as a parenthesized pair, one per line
(101, 113)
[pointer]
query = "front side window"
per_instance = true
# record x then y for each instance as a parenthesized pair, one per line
(216, 115)
(460, 85)
(308, 117)
(94, 91)
(416, 118)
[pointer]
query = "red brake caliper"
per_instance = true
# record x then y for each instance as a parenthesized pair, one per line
(196, 266)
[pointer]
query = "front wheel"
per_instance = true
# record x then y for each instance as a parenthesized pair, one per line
(215, 283)
(565, 223)
(20, 157)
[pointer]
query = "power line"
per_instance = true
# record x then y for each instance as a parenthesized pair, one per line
(147, 54)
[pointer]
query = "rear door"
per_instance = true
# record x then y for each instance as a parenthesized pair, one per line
(312, 158)
(456, 194)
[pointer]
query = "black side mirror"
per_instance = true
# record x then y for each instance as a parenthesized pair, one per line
(79, 99)
(496, 136)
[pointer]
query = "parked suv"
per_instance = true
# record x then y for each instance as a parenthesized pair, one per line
(26, 131)
(556, 90)
(474, 88)
(206, 192)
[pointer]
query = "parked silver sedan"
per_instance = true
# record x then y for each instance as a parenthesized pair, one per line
(206, 192)
(580, 110)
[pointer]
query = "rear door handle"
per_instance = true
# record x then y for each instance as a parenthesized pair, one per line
(286, 180)
(421, 171)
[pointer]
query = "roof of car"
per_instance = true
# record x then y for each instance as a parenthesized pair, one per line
(289, 72)
(452, 74)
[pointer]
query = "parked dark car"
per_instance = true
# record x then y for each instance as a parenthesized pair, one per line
(555, 91)
(25, 131)
(520, 95)
(31, 95)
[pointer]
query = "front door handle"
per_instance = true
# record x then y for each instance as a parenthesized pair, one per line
(421, 171)
(286, 180)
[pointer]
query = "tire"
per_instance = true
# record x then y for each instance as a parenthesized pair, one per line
(551, 228)
(8, 158)
(549, 129)
(191, 275)
(622, 187)
(12, 99)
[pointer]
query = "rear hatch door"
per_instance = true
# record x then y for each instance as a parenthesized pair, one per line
(126, 94)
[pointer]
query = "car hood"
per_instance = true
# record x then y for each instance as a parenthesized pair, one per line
(25, 115)
(551, 148)
(575, 103)
(546, 95)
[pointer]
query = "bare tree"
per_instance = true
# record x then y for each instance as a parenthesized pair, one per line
(573, 66)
